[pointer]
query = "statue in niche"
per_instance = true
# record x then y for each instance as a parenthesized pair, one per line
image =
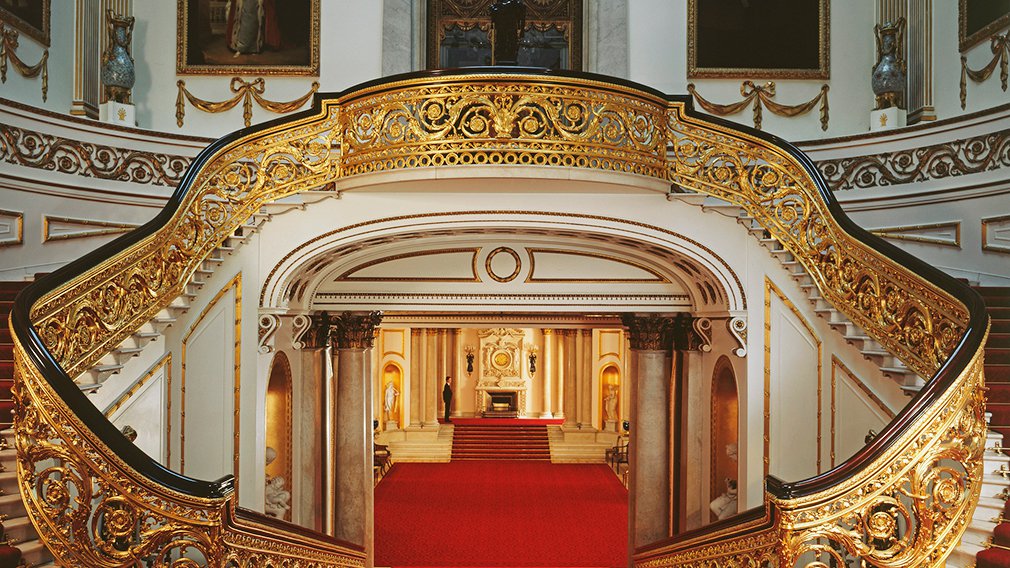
(724, 506)
(277, 500)
(888, 78)
(389, 404)
(118, 75)
(610, 404)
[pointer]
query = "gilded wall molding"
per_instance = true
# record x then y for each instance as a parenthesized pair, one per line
(160, 364)
(996, 234)
(9, 53)
(245, 92)
(1000, 47)
(944, 234)
(965, 156)
(63, 155)
(66, 228)
(12, 228)
(761, 97)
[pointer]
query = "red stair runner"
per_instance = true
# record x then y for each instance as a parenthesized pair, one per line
(500, 442)
(7, 292)
(997, 378)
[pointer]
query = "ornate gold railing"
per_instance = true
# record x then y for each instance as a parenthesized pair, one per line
(903, 501)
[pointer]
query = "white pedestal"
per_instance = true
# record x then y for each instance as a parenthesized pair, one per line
(887, 118)
(118, 113)
(610, 426)
(391, 425)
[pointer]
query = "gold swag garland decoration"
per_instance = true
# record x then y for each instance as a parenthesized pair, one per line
(1000, 46)
(246, 92)
(8, 52)
(761, 96)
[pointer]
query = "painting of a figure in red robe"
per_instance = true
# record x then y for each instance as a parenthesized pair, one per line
(266, 37)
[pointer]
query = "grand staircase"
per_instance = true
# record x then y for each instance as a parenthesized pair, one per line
(500, 442)
(17, 528)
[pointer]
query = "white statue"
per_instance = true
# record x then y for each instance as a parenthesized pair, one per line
(724, 506)
(610, 404)
(731, 451)
(390, 403)
(277, 500)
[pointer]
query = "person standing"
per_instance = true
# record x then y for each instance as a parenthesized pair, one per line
(447, 397)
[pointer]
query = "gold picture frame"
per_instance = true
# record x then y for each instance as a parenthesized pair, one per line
(32, 19)
(710, 55)
(979, 20)
(286, 41)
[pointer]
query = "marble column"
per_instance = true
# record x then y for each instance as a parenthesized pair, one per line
(547, 369)
(585, 393)
(693, 510)
(649, 456)
(454, 370)
(432, 384)
(573, 363)
(416, 378)
(560, 366)
(310, 500)
(351, 336)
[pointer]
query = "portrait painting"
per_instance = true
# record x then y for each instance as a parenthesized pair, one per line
(979, 20)
(758, 39)
(28, 17)
(248, 37)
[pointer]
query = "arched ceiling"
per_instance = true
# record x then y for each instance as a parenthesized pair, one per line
(488, 266)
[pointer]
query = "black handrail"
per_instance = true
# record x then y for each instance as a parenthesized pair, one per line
(147, 466)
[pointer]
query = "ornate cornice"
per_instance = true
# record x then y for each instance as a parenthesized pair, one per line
(958, 157)
(63, 155)
(354, 331)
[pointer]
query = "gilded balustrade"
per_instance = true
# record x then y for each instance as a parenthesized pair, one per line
(903, 506)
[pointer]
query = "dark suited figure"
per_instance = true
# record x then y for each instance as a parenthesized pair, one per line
(447, 397)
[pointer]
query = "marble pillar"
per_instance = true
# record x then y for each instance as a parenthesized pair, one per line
(432, 384)
(416, 378)
(560, 366)
(547, 368)
(455, 370)
(585, 405)
(649, 456)
(351, 337)
(573, 363)
(693, 512)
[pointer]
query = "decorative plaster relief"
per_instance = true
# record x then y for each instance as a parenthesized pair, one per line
(62, 155)
(959, 157)
(11, 228)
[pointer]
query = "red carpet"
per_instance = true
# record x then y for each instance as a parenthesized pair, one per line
(501, 513)
(7, 292)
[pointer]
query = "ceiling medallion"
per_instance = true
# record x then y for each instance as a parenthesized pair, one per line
(503, 261)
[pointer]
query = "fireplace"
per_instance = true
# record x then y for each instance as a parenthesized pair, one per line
(502, 404)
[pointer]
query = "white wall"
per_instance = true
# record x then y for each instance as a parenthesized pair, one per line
(351, 51)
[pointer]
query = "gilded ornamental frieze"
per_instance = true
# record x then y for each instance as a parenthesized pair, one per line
(964, 156)
(66, 156)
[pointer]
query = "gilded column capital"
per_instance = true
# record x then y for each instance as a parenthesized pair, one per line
(354, 331)
(649, 333)
(311, 330)
(566, 332)
(547, 331)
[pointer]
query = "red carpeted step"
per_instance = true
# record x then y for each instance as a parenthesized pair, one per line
(500, 442)
(997, 374)
(1000, 326)
(1001, 534)
(997, 394)
(992, 558)
(997, 356)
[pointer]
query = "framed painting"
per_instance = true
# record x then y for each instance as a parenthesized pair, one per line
(30, 18)
(459, 34)
(248, 37)
(785, 39)
(978, 20)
